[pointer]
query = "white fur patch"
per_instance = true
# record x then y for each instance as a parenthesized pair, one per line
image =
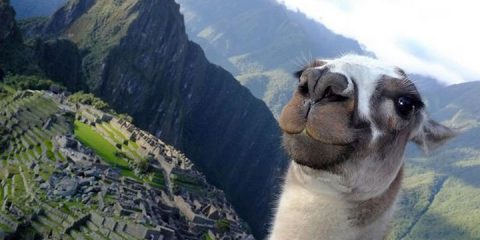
(309, 208)
(318, 181)
(366, 72)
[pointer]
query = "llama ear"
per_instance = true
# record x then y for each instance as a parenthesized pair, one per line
(432, 135)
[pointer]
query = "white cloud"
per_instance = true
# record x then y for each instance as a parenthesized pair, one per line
(430, 37)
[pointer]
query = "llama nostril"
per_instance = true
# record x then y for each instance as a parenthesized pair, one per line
(303, 88)
(308, 79)
(330, 86)
(320, 83)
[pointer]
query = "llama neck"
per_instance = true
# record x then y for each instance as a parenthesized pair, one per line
(313, 205)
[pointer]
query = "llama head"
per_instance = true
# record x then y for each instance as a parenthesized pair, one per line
(353, 116)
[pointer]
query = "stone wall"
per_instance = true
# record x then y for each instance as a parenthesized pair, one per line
(187, 211)
(11, 224)
(135, 230)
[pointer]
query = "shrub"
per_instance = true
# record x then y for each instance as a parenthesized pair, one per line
(120, 154)
(141, 166)
(125, 117)
(89, 99)
(222, 225)
(23, 82)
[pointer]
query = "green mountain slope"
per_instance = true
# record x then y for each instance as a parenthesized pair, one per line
(261, 43)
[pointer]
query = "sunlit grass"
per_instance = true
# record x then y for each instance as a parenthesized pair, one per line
(93, 140)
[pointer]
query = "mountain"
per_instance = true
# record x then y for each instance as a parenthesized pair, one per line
(58, 60)
(137, 57)
(71, 171)
(14, 54)
(261, 43)
(36, 8)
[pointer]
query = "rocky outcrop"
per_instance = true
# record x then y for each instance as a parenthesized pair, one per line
(61, 61)
(139, 59)
(12, 51)
(58, 60)
(67, 15)
(8, 28)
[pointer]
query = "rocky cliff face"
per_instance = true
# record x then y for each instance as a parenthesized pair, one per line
(136, 56)
(8, 28)
(61, 61)
(58, 60)
(11, 43)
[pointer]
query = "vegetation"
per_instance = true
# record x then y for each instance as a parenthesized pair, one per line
(157, 179)
(24, 82)
(89, 99)
(90, 138)
(207, 237)
(3, 92)
(4, 140)
(125, 117)
(141, 165)
(92, 100)
(222, 225)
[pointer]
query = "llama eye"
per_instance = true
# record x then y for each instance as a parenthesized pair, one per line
(405, 106)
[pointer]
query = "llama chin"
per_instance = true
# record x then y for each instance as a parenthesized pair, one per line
(345, 129)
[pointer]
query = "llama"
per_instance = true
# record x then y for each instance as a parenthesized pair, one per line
(345, 129)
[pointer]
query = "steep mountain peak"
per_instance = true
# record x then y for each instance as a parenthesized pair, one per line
(75, 20)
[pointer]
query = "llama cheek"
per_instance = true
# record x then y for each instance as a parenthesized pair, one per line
(293, 117)
(329, 125)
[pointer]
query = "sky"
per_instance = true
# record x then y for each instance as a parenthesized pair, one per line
(437, 38)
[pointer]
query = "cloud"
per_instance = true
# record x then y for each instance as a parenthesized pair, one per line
(435, 38)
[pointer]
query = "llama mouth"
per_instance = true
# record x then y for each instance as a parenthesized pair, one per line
(305, 134)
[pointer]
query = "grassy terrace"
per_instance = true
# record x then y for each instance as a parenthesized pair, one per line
(101, 140)
(187, 183)
(87, 135)
(117, 137)
(30, 141)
